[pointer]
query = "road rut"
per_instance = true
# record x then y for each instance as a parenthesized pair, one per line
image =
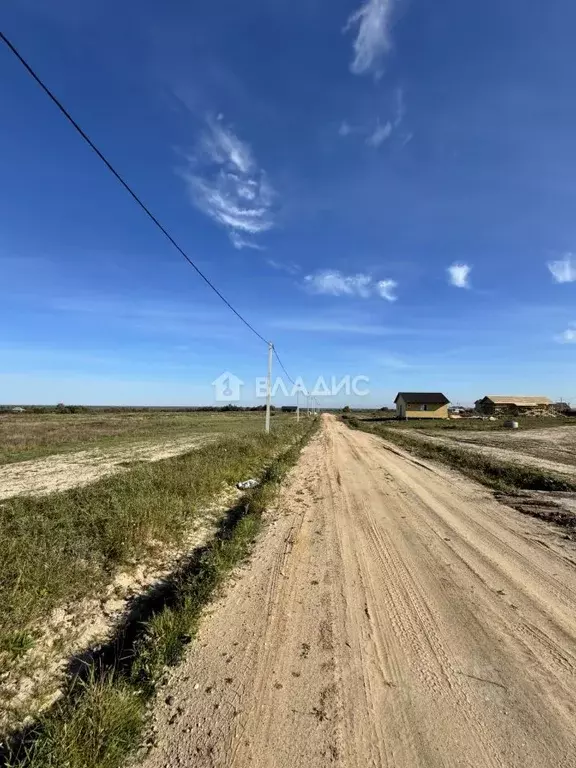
(394, 614)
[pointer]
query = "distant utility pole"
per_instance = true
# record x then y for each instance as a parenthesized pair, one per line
(297, 405)
(269, 385)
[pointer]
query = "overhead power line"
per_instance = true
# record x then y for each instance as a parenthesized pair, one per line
(125, 184)
(281, 364)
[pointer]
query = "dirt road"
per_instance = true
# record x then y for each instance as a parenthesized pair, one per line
(394, 615)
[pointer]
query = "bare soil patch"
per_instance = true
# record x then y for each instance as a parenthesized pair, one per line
(74, 629)
(552, 445)
(69, 470)
(505, 448)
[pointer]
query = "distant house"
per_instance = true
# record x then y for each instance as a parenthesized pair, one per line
(494, 404)
(421, 405)
(18, 409)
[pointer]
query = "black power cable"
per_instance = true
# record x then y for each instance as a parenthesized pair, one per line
(125, 184)
(290, 379)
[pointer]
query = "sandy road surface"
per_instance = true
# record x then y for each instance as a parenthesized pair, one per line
(394, 615)
(68, 470)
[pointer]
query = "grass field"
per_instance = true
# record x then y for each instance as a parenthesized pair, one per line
(30, 435)
(98, 724)
(463, 425)
(58, 549)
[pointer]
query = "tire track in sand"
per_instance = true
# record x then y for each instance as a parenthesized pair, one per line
(390, 616)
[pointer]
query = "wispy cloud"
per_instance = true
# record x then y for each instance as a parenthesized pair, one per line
(334, 283)
(328, 325)
(345, 129)
(406, 139)
(376, 133)
(393, 362)
(226, 183)
(563, 270)
(331, 282)
(372, 24)
(400, 112)
(159, 318)
(240, 242)
(379, 135)
(568, 336)
(386, 289)
(290, 267)
(459, 274)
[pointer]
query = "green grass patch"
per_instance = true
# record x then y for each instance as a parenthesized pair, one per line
(32, 435)
(497, 474)
(15, 644)
(66, 546)
(98, 731)
(464, 425)
(99, 723)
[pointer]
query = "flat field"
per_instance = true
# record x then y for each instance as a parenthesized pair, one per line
(465, 425)
(72, 556)
(30, 435)
(555, 444)
(44, 453)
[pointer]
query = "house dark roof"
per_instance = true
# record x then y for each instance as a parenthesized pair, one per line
(428, 398)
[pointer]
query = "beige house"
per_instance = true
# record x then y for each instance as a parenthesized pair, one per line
(421, 405)
(518, 404)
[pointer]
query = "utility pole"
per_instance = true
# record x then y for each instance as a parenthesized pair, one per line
(269, 386)
(297, 405)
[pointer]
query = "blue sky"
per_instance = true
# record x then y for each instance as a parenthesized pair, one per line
(383, 189)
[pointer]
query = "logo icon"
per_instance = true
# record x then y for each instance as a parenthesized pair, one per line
(227, 387)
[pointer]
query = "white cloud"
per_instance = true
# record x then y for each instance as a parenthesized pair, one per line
(400, 108)
(406, 139)
(373, 35)
(386, 289)
(568, 336)
(379, 135)
(331, 282)
(222, 147)
(240, 242)
(375, 135)
(334, 283)
(346, 325)
(345, 129)
(147, 316)
(458, 275)
(563, 270)
(226, 183)
(391, 361)
(290, 267)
